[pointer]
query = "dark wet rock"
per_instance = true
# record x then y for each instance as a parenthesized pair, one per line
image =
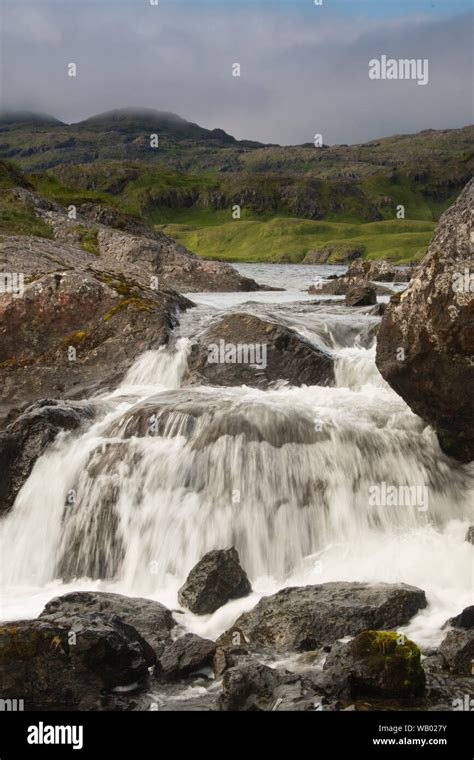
(340, 254)
(222, 661)
(378, 271)
(268, 352)
(470, 534)
(251, 686)
(342, 285)
(465, 619)
(361, 295)
(185, 656)
(433, 322)
(153, 621)
(379, 663)
(23, 442)
(213, 581)
(70, 665)
(72, 334)
(308, 617)
(458, 651)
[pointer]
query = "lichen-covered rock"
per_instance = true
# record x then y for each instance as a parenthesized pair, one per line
(213, 581)
(376, 663)
(308, 617)
(73, 333)
(425, 345)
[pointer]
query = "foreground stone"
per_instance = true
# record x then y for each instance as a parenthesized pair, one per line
(213, 581)
(432, 322)
(57, 665)
(152, 620)
(23, 442)
(458, 651)
(251, 686)
(375, 663)
(279, 353)
(185, 656)
(308, 617)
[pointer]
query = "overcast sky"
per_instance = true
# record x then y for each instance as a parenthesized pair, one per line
(304, 68)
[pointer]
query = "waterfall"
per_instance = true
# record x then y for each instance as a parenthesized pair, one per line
(168, 472)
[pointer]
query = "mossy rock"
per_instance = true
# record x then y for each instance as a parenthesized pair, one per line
(380, 663)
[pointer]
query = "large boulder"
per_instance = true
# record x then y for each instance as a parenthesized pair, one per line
(23, 442)
(185, 656)
(425, 344)
(457, 649)
(242, 349)
(376, 663)
(308, 617)
(465, 619)
(153, 621)
(73, 333)
(213, 581)
(340, 286)
(71, 665)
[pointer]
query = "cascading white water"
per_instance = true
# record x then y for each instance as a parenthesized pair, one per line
(168, 473)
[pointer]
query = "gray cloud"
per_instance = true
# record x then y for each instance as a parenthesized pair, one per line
(301, 74)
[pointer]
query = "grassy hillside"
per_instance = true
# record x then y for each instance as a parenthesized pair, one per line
(286, 239)
(293, 200)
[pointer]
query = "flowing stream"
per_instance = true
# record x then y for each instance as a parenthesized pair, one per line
(169, 471)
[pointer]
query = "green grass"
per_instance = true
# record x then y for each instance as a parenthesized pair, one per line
(290, 239)
(88, 238)
(17, 217)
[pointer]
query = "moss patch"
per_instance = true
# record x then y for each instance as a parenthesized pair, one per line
(88, 238)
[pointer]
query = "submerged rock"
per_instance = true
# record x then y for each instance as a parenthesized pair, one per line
(23, 442)
(308, 617)
(242, 349)
(71, 665)
(376, 663)
(152, 620)
(425, 344)
(213, 581)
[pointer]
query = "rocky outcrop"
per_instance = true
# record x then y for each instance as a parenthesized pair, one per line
(70, 665)
(153, 621)
(470, 534)
(308, 617)
(361, 295)
(375, 663)
(333, 254)
(425, 344)
(185, 656)
(458, 651)
(378, 271)
(213, 581)
(73, 333)
(242, 349)
(23, 442)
